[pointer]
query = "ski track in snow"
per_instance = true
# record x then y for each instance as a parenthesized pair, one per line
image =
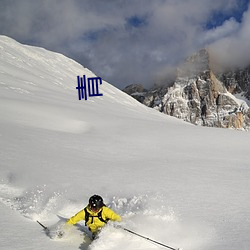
(144, 214)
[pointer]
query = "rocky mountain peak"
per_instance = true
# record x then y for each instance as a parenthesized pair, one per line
(196, 64)
(202, 97)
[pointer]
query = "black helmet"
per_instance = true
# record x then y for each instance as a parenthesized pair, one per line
(95, 202)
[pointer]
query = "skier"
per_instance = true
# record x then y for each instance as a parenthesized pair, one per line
(95, 214)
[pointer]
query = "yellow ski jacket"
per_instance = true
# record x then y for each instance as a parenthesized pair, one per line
(94, 223)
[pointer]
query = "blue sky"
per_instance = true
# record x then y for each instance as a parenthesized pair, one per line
(218, 17)
(131, 41)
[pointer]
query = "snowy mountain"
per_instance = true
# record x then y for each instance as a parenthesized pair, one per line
(201, 96)
(182, 185)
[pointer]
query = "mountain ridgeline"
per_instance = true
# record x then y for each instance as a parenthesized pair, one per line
(201, 94)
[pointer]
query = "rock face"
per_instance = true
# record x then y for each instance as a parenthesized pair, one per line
(137, 91)
(237, 81)
(201, 97)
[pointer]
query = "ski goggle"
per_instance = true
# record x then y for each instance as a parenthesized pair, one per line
(94, 208)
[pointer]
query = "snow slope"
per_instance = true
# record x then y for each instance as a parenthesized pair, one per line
(176, 183)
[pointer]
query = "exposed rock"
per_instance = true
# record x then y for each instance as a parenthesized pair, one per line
(201, 97)
(237, 81)
(133, 88)
(137, 91)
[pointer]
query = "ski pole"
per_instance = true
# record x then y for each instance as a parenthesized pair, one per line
(146, 238)
(45, 228)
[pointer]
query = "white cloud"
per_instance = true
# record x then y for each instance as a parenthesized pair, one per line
(228, 28)
(97, 33)
(233, 50)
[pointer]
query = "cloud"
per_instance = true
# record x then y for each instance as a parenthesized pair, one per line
(233, 49)
(126, 41)
(228, 28)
